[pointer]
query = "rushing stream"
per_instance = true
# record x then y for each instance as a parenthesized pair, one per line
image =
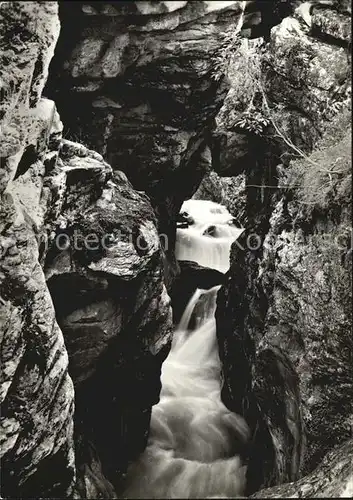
(193, 437)
(208, 239)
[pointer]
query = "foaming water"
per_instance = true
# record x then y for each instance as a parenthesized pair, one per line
(210, 235)
(191, 451)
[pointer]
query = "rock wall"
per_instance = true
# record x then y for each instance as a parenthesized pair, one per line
(106, 281)
(85, 316)
(140, 79)
(331, 479)
(37, 396)
(284, 315)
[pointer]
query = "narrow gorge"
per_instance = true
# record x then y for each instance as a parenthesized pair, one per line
(176, 249)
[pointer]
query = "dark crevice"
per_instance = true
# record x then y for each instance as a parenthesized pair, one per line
(29, 157)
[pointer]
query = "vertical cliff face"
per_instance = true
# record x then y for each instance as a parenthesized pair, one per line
(284, 315)
(37, 398)
(84, 312)
(85, 316)
(106, 282)
(140, 78)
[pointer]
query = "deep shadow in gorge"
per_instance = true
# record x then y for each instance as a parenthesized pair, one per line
(85, 331)
(149, 108)
(240, 329)
(170, 183)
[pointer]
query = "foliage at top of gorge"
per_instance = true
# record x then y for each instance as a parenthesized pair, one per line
(255, 69)
(256, 95)
(322, 181)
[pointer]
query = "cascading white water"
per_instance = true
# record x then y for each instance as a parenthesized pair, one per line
(209, 237)
(191, 447)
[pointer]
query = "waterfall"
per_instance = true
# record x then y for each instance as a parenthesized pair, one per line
(191, 451)
(209, 237)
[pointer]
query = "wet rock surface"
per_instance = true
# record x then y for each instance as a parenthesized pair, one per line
(331, 479)
(191, 277)
(140, 77)
(85, 316)
(283, 315)
(37, 397)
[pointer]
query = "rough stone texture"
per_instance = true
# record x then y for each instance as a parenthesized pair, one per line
(284, 324)
(333, 478)
(37, 399)
(278, 340)
(111, 305)
(332, 25)
(139, 76)
(284, 314)
(91, 482)
(191, 276)
(108, 301)
(306, 74)
(28, 37)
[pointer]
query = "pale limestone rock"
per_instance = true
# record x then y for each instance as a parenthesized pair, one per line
(36, 390)
(333, 478)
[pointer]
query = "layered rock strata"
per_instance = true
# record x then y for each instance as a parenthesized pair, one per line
(85, 316)
(141, 80)
(284, 315)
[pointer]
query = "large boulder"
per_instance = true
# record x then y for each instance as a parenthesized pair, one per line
(104, 270)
